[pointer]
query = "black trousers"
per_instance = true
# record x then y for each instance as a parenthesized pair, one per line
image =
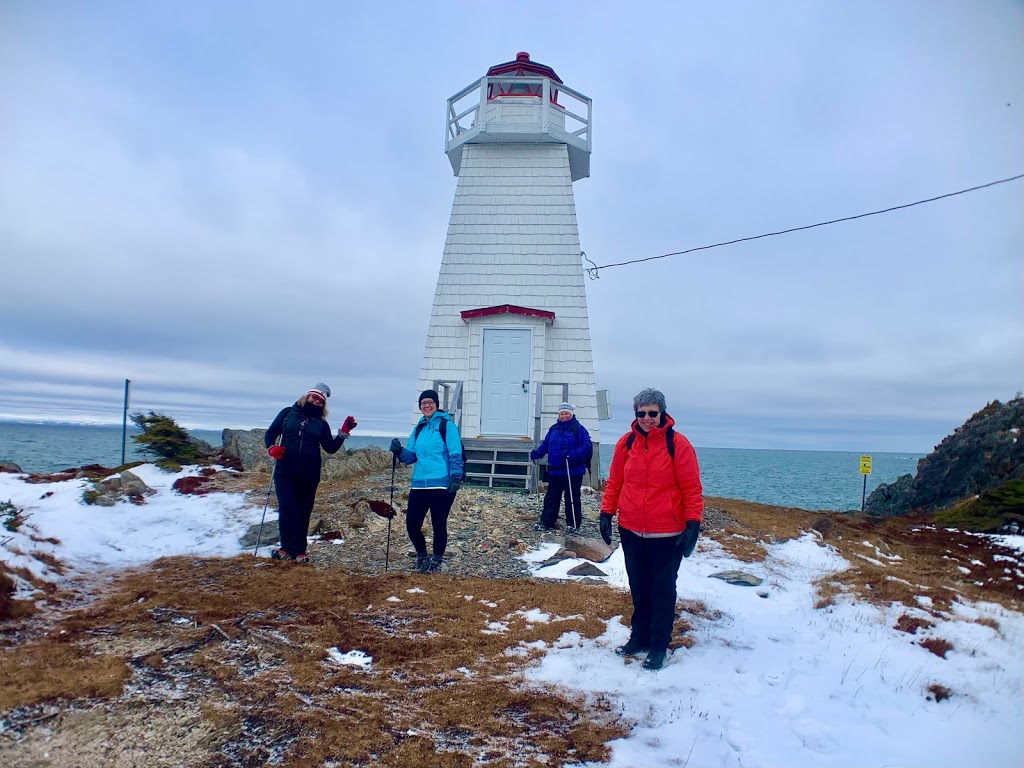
(438, 502)
(569, 487)
(651, 566)
(295, 497)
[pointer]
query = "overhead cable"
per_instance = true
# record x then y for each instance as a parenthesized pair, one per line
(593, 271)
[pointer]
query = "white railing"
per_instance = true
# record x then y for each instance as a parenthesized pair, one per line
(568, 116)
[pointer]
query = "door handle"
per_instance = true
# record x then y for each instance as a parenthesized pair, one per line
(526, 385)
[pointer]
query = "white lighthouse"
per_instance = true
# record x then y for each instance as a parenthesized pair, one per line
(509, 337)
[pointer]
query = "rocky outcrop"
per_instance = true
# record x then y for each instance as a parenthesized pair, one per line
(248, 447)
(984, 453)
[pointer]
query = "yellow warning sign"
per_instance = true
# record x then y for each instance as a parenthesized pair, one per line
(865, 465)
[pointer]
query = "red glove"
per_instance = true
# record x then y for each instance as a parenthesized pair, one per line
(276, 452)
(349, 425)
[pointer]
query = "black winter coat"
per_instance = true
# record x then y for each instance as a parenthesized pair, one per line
(302, 437)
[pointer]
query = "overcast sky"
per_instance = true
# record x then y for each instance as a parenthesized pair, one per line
(228, 202)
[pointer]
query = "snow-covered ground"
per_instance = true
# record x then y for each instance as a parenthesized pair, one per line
(771, 681)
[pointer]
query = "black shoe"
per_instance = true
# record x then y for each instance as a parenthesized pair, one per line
(280, 554)
(631, 648)
(570, 529)
(655, 660)
(544, 528)
(435, 564)
(422, 563)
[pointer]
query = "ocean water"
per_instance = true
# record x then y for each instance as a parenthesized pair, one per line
(807, 479)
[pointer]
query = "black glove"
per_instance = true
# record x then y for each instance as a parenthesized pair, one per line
(606, 528)
(396, 446)
(454, 483)
(688, 538)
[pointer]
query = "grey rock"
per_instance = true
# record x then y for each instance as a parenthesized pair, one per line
(9, 466)
(586, 569)
(592, 549)
(270, 535)
(104, 501)
(132, 485)
(739, 578)
(559, 556)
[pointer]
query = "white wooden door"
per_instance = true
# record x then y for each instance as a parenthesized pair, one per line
(505, 391)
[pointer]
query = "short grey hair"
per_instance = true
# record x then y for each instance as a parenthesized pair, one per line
(649, 396)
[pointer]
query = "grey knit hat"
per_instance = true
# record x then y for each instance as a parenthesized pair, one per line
(565, 407)
(322, 389)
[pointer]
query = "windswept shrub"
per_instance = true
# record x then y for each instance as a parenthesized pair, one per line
(162, 437)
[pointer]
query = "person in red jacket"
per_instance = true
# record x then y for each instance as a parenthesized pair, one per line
(654, 486)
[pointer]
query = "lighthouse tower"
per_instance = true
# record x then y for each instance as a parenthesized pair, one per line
(509, 337)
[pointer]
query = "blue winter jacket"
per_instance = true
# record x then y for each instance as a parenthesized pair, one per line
(435, 461)
(565, 439)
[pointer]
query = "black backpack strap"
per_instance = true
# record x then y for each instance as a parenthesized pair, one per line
(629, 441)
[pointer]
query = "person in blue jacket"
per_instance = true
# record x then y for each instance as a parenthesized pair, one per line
(435, 451)
(569, 450)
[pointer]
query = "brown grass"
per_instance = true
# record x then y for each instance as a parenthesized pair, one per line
(939, 692)
(936, 645)
(249, 640)
(910, 624)
(911, 558)
(757, 524)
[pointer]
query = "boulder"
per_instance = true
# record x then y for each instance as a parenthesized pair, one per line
(132, 485)
(586, 569)
(739, 578)
(9, 466)
(592, 549)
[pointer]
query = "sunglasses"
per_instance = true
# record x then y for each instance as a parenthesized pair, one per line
(652, 414)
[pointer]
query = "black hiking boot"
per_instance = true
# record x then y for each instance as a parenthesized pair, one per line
(302, 559)
(422, 563)
(544, 528)
(632, 648)
(280, 554)
(655, 660)
(435, 564)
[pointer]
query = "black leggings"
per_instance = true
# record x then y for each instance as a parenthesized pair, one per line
(295, 497)
(559, 487)
(652, 565)
(438, 502)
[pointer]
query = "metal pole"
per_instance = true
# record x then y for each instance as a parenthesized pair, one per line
(864, 493)
(266, 504)
(124, 420)
(387, 551)
(572, 502)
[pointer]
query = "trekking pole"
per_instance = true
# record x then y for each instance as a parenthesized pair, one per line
(265, 505)
(387, 552)
(576, 519)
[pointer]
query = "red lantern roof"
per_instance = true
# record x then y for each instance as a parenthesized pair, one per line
(523, 66)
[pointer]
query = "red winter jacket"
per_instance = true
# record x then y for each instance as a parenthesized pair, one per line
(651, 492)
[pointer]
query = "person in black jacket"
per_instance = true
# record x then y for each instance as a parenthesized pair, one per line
(303, 430)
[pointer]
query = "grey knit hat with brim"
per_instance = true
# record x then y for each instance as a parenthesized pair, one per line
(322, 388)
